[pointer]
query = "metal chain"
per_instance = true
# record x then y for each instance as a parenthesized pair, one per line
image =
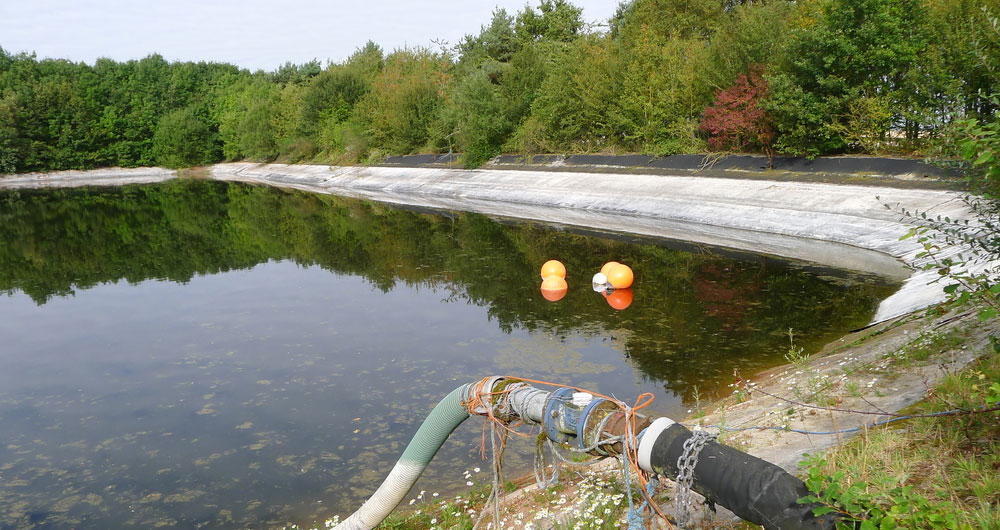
(685, 473)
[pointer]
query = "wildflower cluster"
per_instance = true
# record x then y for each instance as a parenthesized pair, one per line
(599, 505)
(439, 513)
(595, 503)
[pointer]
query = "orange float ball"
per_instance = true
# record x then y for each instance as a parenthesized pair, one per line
(619, 298)
(553, 267)
(620, 276)
(607, 267)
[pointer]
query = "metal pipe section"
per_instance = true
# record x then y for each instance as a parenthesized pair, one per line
(755, 490)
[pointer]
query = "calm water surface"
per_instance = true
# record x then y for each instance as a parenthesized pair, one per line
(201, 354)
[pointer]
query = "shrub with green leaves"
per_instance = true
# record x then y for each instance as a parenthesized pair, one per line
(398, 111)
(183, 139)
(898, 505)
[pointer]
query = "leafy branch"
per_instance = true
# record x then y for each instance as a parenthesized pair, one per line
(973, 273)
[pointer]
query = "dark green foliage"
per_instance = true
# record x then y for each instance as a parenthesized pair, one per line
(245, 113)
(183, 139)
(61, 115)
(858, 48)
(748, 34)
(481, 125)
(10, 154)
(498, 42)
(521, 82)
(497, 79)
(296, 73)
(960, 69)
(555, 20)
(660, 61)
(859, 45)
(574, 101)
(802, 119)
(330, 96)
(398, 111)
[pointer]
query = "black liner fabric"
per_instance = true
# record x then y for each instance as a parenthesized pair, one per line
(847, 165)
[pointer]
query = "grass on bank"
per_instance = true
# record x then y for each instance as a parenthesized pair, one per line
(925, 473)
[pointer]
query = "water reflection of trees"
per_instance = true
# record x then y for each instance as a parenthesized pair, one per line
(696, 316)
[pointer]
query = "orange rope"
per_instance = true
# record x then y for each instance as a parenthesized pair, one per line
(476, 402)
(642, 401)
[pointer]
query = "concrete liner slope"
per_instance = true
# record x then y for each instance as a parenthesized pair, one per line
(838, 225)
(113, 176)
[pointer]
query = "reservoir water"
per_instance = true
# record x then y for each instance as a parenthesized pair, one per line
(200, 354)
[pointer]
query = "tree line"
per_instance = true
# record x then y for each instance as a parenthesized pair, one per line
(806, 77)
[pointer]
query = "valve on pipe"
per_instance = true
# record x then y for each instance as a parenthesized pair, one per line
(753, 489)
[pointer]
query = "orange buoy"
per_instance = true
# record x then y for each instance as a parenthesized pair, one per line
(553, 267)
(620, 276)
(619, 298)
(607, 267)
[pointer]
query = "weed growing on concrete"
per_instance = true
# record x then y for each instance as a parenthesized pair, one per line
(698, 411)
(795, 354)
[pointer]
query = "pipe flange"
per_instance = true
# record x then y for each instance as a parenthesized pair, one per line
(551, 412)
(581, 426)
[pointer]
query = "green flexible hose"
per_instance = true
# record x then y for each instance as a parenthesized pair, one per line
(440, 423)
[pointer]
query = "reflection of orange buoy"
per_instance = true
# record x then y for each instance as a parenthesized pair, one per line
(619, 298)
(553, 295)
(607, 267)
(554, 283)
(553, 268)
(620, 276)
(554, 288)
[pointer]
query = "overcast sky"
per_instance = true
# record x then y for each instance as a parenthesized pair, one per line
(254, 34)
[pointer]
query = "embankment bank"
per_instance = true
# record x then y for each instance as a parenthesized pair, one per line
(113, 176)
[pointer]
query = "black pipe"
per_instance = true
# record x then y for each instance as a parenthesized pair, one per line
(755, 490)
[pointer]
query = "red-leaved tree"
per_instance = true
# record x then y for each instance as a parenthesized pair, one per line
(737, 120)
